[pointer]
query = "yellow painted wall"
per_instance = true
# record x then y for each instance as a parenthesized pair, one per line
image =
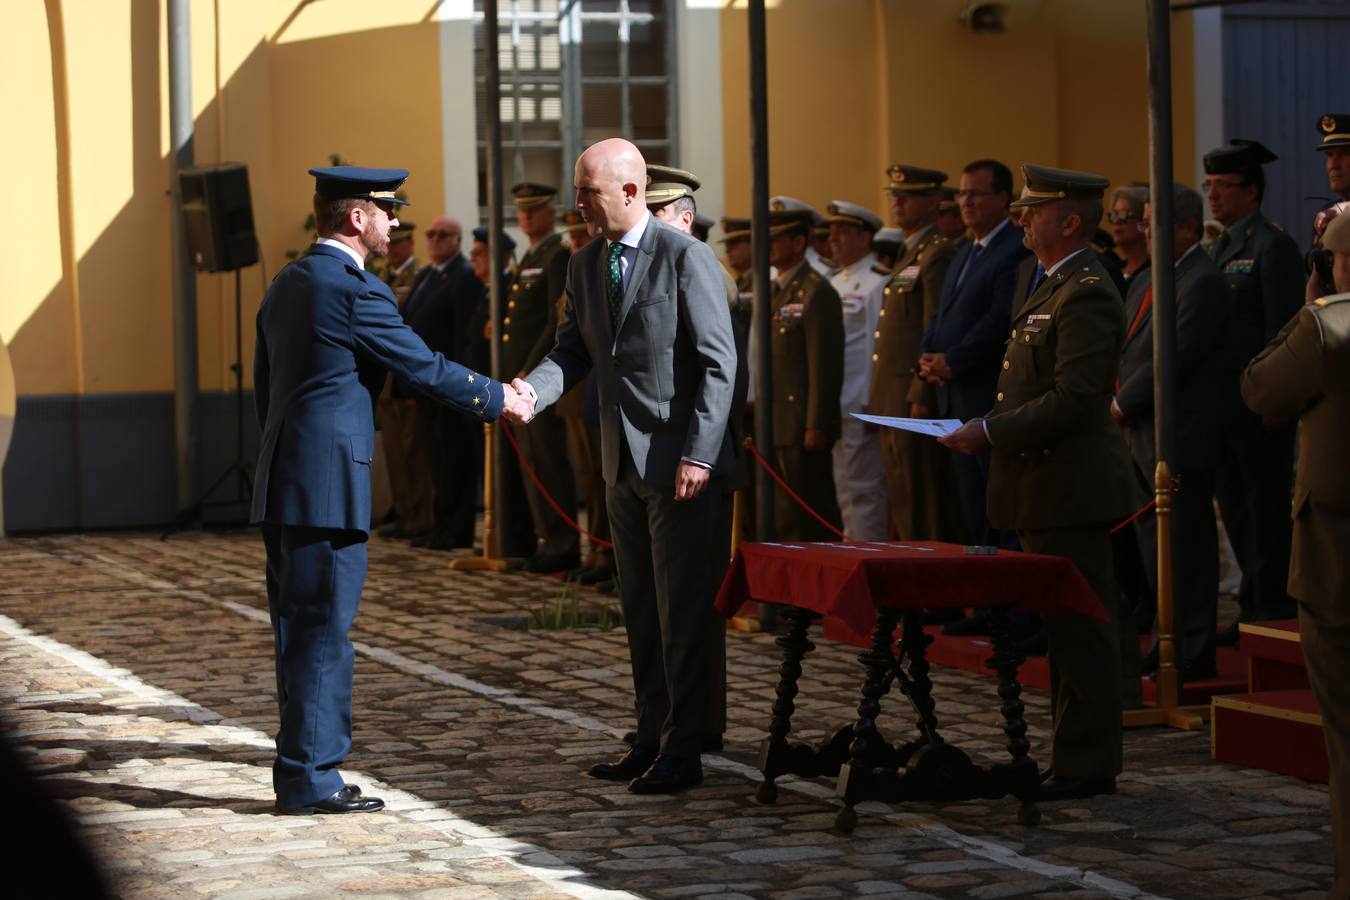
(904, 81)
(280, 84)
(263, 85)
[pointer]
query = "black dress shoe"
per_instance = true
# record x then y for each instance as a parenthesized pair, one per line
(968, 627)
(346, 800)
(668, 775)
(597, 574)
(629, 766)
(549, 563)
(1058, 788)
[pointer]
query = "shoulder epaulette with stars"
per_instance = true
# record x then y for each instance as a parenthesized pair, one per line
(1334, 298)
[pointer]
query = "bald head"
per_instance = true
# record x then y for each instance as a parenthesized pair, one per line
(443, 239)
(610, 182)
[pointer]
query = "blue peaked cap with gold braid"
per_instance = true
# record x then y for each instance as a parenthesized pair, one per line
(359, 183)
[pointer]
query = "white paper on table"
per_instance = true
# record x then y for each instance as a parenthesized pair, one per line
(930, 427)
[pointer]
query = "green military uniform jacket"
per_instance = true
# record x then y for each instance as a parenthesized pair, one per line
(808, 357)
(1264, 269)
(1304, 373)
(401, 280)
(1058, 457)
(911, 299)
(531, 315)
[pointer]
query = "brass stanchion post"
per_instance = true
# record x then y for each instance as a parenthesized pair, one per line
(490, 561)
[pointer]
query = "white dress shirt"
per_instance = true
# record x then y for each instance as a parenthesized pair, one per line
(356, 257)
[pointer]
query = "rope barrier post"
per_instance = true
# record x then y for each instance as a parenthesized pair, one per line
(1167, 709)
(494, 471)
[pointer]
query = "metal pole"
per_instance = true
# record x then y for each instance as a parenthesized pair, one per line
(759, 236)
(184, 276)
(493, 110)
(1167, 710)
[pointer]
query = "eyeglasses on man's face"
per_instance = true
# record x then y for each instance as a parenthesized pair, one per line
(1121, 216)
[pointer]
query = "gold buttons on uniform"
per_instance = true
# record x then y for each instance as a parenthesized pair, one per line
(874, 357)
(470, 379)
(510, 304)
(999, 398)
(516, 286)
(1014, 333)
(792, 398)
(1027, 338)
(883, 312)
(506, 338)
(1005, 365)
(782, 330)
(877, 333)
(506, 321)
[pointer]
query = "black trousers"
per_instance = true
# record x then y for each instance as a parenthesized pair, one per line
(1195, 565)
(1254, 486)
(455, 454)
(663, 552)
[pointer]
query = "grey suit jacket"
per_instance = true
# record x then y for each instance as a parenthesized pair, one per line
(1203, 305)
(665, 376)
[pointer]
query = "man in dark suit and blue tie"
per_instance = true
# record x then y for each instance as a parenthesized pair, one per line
(962, 349)
(327, 332)
(646, 310)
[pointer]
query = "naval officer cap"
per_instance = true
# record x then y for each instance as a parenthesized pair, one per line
(666, 184)
(1238, 155)
(888, 240)
(789, 213)
(1043, 184)
(846, 213)
(572, 222)
(914, 180)
(1335, 130)
(480, 236)
(735, 229)
(529, 194)
(359, 183)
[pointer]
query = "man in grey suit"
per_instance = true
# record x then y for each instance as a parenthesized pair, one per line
(646, 310)
(1202, 308)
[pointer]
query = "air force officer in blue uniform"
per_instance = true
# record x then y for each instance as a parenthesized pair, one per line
(327, 332)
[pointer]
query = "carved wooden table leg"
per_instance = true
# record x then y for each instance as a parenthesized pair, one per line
(865, 750)
(776, 757)
(919, 687)
(1022, 774)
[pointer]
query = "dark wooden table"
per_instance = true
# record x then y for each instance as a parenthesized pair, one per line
(871, 588)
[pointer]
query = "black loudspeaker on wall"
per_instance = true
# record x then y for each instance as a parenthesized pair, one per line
(218, 216)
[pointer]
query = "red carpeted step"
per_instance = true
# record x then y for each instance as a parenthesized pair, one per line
(1276, 656)
(1280, 731)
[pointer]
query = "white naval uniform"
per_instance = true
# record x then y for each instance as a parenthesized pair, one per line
(859, 465)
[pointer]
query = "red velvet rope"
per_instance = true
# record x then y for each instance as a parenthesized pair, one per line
(790, 492)
(1147, 507)
(529, 470)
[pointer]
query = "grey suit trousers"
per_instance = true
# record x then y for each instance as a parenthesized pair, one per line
(663, 550)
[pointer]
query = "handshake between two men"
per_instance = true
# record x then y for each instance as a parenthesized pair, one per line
(518, 402)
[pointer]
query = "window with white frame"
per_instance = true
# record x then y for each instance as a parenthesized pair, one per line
(574, 72)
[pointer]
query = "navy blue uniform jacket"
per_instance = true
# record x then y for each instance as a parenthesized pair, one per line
(327, 331)
(971, 324)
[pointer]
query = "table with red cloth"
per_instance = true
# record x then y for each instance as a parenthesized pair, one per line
(869, 588)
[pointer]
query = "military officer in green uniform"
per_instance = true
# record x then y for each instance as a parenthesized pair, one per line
(1264, 269)
(920, 482)
(1060, 471)
(808, 372)
(398, 425)
(528, 325)
(1304, 373)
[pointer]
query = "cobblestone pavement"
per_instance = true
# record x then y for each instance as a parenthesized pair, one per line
(137, 676)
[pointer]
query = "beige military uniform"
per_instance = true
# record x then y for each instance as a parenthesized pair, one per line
(1060, 475)
(405, 455)
(1304, 373)
(528, 326)
(808, 371)
(920, 481)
